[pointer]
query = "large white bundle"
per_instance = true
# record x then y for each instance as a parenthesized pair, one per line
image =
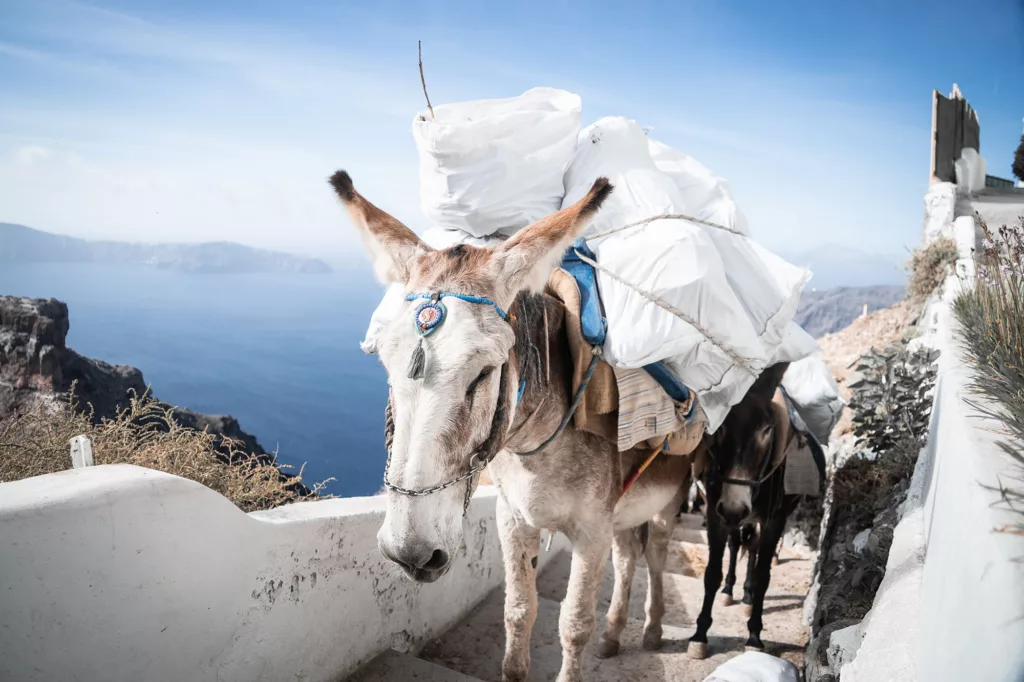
(496, 165)
(815, 395)
(732, 300)
(706, 195)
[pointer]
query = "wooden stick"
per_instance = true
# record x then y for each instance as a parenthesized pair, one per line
(419, 45)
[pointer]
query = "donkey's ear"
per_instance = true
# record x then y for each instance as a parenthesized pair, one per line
(770, 380)
(526, 260)
(392, 245)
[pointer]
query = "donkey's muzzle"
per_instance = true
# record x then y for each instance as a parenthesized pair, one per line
(733, 513)
(420, 561)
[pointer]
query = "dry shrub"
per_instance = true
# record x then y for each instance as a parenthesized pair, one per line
(146, 434)
(928, 267)
(991, 317)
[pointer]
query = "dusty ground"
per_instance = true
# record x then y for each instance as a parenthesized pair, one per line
(475, 646)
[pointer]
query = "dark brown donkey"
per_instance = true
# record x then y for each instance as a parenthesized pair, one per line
(744, 478)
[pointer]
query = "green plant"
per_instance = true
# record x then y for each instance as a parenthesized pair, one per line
(928, 267)
(991, 316)
(892, 397)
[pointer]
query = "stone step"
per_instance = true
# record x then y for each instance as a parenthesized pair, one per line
(553, 582)
(476, 647)
(391, 666)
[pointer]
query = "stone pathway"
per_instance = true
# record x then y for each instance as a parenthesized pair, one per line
(473, 649)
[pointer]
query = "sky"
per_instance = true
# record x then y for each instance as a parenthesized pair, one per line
(193, 121)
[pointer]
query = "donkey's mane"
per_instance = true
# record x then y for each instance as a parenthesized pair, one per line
(528, 327)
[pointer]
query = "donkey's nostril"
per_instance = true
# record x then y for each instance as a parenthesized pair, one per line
(437, 561)
(415, 557)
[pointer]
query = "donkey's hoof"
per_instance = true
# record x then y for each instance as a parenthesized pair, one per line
(725, 599)
(753, 644)
(652, 639)
(748, 610)
(698, 651)
(607, 648)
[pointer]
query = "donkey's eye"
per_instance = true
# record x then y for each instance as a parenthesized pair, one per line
(486, 372)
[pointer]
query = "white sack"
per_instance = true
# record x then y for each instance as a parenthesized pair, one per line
(796, 345)
(496, 165)
(755, 666)
(389, 306)
(815, 395)
(739, 298)
(970, 171)
(705, 195)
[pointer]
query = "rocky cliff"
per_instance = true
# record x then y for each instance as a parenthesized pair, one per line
(36, 365)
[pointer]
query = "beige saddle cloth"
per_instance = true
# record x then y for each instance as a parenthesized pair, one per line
(624, 406)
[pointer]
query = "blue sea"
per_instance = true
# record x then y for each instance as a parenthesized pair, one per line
(280, 352)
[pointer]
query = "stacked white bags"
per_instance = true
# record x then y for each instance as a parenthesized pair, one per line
(815, 394)
(496, 165)
(489, 168)
(732, 301)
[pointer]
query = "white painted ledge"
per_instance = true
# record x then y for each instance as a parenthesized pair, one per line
(951, 605)
(117, 573)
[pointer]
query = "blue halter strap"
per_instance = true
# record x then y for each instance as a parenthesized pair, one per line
(462, 297)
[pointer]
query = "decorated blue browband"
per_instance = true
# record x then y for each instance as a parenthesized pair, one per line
(429, 316)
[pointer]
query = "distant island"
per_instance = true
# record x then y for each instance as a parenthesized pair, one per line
(20, 244)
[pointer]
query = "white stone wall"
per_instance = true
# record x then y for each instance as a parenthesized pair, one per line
(117, 573)
(951, 606)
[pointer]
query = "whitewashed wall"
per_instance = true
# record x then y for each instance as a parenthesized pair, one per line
(118, 573)
(951, 605)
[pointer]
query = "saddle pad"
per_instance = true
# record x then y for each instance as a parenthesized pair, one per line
(801, 476)
(592, 322)
(598, 410)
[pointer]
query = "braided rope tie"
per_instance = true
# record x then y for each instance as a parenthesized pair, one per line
(666, 216)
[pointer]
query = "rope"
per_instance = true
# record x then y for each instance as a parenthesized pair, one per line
(643, 467)
(672, 309)
(666, 216)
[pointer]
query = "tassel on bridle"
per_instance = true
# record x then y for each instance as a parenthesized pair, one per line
(418, 361)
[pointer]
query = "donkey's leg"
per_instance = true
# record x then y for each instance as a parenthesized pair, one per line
(625, 548)
(656, 554)
(730, 574)
(771, 532)
(753, 548)
(578, 616)
(520, 545)
(698, 647)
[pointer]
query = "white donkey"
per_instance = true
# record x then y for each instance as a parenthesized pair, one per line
(471, 388)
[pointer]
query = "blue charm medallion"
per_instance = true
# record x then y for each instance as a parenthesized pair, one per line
(429, 317)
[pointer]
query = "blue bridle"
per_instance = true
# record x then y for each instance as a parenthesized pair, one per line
(462, 297)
